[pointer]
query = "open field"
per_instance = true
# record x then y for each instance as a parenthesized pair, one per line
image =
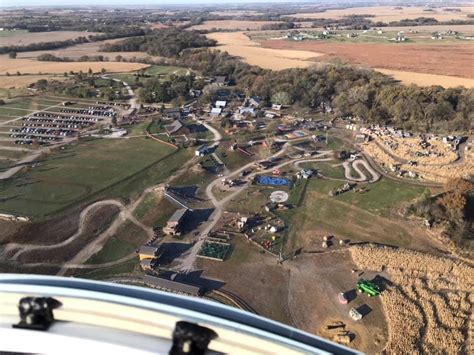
(21, 38)
(236, 13)
(430, 59)
(360, 217)
(428, 301)
(407, 77)
(238, 44)
(90, 49)
(388, 13)
(77, 172)
(30, 66)
(232, 25)
(15, 81)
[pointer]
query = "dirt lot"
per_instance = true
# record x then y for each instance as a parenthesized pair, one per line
(24, 38)
(30, 66)
(232, 25)
(302, 293)
(388, 13)
(238, 44)
(428, 301)
(429, 59)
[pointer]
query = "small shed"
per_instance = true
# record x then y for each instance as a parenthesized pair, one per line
(148, 252)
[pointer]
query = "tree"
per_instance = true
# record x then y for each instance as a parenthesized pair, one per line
(282, 98)
(12, 55)
(18, 73)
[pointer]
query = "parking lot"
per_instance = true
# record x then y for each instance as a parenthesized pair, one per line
(29, 124)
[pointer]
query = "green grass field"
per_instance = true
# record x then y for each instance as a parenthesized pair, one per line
(81, 171)
(165, 70)
(360, 216)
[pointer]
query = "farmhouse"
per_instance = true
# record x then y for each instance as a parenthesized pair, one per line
(147, 252)
(174, 224)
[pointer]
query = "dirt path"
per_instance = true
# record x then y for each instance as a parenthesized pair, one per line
(187, 263)
(362, 177)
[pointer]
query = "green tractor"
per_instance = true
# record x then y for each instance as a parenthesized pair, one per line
(368, 287)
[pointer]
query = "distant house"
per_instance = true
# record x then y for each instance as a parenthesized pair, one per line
(216, 111)
(244, 111)
(174, 223)
(223, 93)
(254, 101)
(220, 104)
(194, 93)
(172, 113)
(148, 252)
(221, 80)
(276, 107)
(202, 151)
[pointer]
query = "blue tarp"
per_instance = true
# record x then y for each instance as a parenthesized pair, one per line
(271, 180)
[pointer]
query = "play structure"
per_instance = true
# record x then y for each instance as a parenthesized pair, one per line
(367, 287)
(272, 180)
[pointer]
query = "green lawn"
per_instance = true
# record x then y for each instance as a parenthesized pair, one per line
(164, 70)
(105, 273)
(360, 216)
(114, 249)
(82, 170)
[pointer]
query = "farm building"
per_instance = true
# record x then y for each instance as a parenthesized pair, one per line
(172, 113)
(173, 127)
(173, 226)
(221, 80)
(216, 111)
(220, 104)
(148, 252)
(148, 264)
(202, 151)
(172, 285)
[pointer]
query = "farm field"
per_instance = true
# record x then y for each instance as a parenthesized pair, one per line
(238, 44)
(30, 66)
(78, 171)
(90, 49)
(15, 81)
(388, 13)
(232, 25)
(428, 298)
(22, 38)
(407, 77)
(430, 59)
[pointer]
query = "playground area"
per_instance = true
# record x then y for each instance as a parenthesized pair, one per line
(272, 181)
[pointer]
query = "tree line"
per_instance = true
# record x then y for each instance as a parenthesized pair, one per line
(167, 42)
(127, 32)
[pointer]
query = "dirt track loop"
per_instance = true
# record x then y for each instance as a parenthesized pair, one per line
(356, 166)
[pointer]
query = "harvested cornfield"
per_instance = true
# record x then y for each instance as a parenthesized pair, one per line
(428, 302)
